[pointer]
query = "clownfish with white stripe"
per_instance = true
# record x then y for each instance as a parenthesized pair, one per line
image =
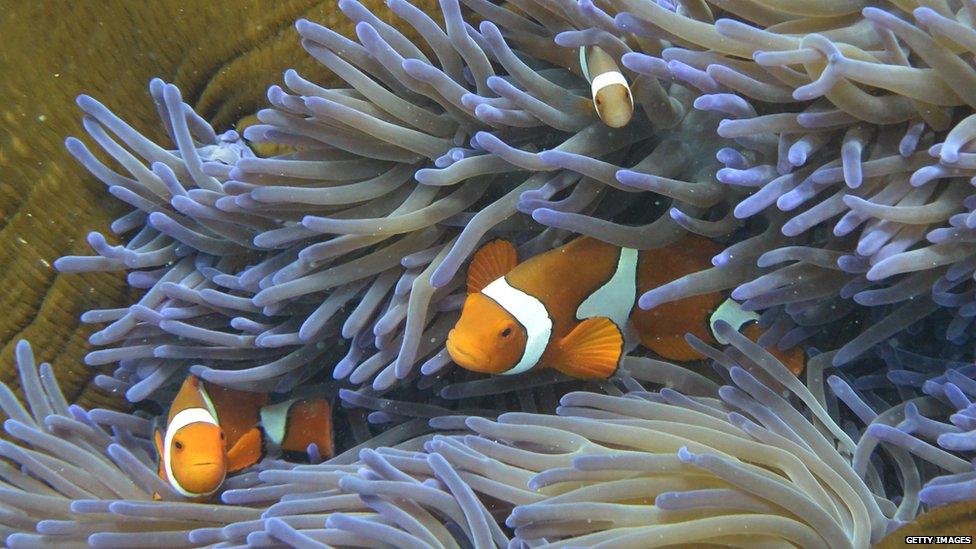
(609, 89)
(569, 308)
(212, 431)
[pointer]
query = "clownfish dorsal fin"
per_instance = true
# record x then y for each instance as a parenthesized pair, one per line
(591, 351)
(245, 452)
(491, 262)
(193, 381)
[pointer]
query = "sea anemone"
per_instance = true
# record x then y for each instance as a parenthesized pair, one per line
(932, 416)
(844, 132)
(739, 464)
(394, 181)
(341, 255)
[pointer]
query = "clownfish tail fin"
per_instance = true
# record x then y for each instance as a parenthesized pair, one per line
(593, 350)
(491, 262)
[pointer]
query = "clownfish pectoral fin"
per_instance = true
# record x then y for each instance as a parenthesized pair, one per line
(245, 452)
(158, 444)
(593, 349)
(491, 262)
(157, 436)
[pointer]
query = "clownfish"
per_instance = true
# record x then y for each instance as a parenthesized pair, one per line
(212, 431)
(747, 322)
(568, 308)
(608, 87)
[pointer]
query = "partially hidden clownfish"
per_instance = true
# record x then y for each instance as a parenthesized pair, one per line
(569, 308)
(212, 431)
(609, 89)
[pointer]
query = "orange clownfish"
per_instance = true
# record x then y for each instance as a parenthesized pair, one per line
(568, 308)
(211, 431)
(609, 89)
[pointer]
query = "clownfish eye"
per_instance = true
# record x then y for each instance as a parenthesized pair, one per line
(178, 445)
(506, 332)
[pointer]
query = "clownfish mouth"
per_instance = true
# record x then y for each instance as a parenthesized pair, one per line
(465, 358)
(459, 353)
(206, 464)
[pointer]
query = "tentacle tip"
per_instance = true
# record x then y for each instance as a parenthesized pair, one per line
(924, 14)
(551, 157)
(544, 216)
(23, 346)
(686, 455)
(649, 301)
(565, 38)
(835, 382)
(84, 101)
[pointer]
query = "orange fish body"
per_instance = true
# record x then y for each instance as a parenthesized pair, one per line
(609, 88)
(212, 431)
(568, 308)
